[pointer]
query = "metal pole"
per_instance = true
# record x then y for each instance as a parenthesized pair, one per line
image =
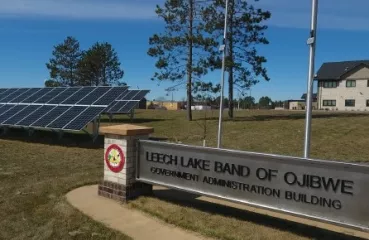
(312, 43)
(224, 49)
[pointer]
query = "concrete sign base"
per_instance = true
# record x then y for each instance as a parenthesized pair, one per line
(120, 148)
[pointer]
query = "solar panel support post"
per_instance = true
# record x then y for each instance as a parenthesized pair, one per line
(309, 96)
(132, 114)
(60, 134)
(31, 131)
(4, 130)
(95, 127)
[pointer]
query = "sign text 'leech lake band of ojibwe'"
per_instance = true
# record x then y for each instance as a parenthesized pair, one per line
(323, 190)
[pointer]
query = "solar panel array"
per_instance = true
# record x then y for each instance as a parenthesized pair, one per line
(69, 108)
(127, 101)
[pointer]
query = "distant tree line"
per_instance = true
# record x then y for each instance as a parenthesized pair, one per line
(71, 66)
(188, 47)
(247, 102)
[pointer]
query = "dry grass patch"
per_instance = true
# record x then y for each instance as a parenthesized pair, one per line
(34, 178)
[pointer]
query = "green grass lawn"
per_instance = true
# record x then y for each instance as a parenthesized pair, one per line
(335, 136)
(36, 172)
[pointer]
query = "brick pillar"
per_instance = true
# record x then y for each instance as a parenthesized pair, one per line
(120, 149)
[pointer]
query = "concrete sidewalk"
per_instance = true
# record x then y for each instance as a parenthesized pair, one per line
(133, 223)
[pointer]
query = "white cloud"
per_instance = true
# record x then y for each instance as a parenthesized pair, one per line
(332, 14)
(79, 9)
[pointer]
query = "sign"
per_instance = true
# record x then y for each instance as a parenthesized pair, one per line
(114, 158)
(330, 191)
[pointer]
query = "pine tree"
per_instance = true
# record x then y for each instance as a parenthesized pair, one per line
(100, 66)
(63, 65)
(246, 30)
(182, 51)
(51, 83)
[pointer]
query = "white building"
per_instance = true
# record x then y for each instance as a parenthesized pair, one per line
(343, 86)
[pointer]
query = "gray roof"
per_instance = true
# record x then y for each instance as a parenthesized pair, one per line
(334, 70)
(304, 96)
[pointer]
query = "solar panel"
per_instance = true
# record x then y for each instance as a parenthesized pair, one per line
(140, 95)
(64, 95)
(50, 116)
(127, 101)
(130, 95)
(98, 93)
(4, 93)
(83, 119)
(116, 106)
(50, 95)
(21, 115)
(112, 95)
(78, 95)
(9, 96)
(38, 94)
(36, 115)
(25, 95)
(11, 112)
(6, 108)
(65, 108)
(66, 117)
(128, 107)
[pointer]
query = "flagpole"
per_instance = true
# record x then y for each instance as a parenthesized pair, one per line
(224, 49)
(312, 43)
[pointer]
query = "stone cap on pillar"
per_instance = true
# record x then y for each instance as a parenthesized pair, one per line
(126, 130)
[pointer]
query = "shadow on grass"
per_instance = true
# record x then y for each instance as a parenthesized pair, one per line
(190, 200)
(287, 117)
(78, 140)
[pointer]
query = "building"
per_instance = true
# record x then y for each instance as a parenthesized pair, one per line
(167, 105)
(300, 104)
(343, 86)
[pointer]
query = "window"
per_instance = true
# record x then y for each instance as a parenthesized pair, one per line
(350, 83)
(350, 103)
(330, 103)
(330, 84)
(367, 103)
(367, 83)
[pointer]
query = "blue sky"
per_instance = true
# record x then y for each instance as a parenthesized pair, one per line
(30, 28)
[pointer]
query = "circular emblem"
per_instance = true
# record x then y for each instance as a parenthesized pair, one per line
(114, 158)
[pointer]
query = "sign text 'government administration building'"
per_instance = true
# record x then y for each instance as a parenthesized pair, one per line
(324, 190)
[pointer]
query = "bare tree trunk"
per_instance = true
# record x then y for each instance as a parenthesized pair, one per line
(189, 63)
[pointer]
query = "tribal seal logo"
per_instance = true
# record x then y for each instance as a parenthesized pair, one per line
(114, 158)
